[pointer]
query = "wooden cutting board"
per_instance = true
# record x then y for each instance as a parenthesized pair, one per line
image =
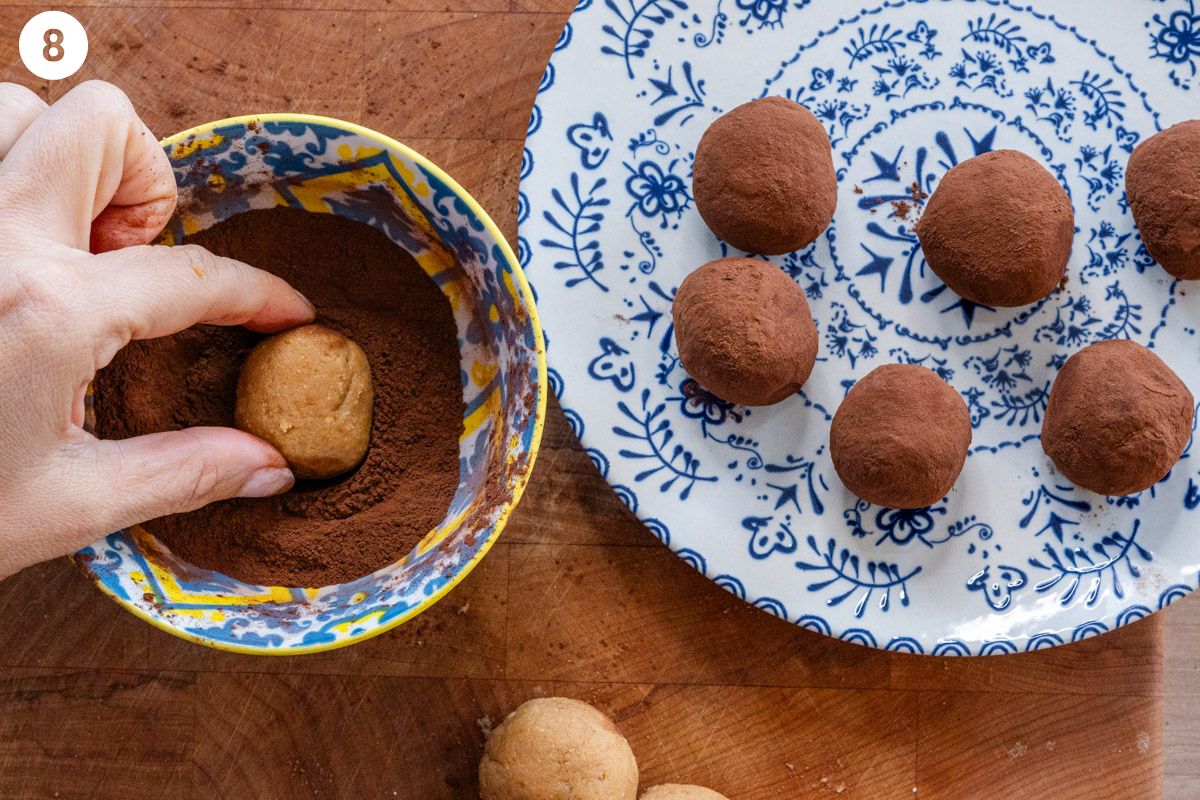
(576, 599)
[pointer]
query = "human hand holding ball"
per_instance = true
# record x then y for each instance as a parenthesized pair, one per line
(84, 189)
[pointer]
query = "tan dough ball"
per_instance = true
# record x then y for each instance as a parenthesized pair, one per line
(678, 791)
(308, 392)
(554, 748)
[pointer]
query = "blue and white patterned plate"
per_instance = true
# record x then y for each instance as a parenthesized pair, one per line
(1015, 558)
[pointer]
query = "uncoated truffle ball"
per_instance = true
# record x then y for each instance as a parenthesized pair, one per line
(678, 791)
(554, 748)
(744, 331)
(308, 392)
(1118, 418)
(998, 229)
(900, 437)
(763, 177)
(1163, 186)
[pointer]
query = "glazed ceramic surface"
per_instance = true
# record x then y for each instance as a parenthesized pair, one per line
(1015, 558)
(331, 167)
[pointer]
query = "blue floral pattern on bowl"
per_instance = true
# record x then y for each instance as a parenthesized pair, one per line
(1015, 558)
(327, 166)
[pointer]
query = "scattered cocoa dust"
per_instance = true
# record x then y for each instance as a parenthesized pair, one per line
(322, 533)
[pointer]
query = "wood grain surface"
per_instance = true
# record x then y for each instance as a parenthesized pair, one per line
(577, 598)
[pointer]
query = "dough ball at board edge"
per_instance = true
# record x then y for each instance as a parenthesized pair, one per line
(556, 748)
(678, 791)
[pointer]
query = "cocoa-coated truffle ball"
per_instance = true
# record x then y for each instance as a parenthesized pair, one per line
(744, 331)
(555, 748)
(998, 229)
(308, 392)
(1118, 418)
(900, 437)
(1163, 186)
(763, 177)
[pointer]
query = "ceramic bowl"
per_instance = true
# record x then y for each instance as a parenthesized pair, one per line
(332, 167)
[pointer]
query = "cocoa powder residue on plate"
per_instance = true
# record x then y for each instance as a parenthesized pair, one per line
(368, 289)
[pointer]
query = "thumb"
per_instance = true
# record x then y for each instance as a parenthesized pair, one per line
(169, 473)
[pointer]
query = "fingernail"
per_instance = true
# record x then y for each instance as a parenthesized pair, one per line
(307, 302)
(267, 482)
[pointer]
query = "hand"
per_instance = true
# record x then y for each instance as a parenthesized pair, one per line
(88, 171)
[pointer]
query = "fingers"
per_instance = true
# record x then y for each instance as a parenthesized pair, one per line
(93, 487)
(19, 107)
(151, 476)
(88, 152)
(151, 291)
(126, 226)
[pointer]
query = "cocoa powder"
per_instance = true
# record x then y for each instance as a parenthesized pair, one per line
(373, 292)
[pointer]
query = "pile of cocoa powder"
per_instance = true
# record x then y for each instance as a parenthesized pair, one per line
(370, 290)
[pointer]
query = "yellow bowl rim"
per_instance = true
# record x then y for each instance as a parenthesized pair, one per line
(539, 418)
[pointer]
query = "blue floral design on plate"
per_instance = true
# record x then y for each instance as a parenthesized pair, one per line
(1015, 558)
(1175, 38)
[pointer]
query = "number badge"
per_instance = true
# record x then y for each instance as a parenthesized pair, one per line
(53, 45)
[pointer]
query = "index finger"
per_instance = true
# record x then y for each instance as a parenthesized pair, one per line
(85, 153)
(155, 290)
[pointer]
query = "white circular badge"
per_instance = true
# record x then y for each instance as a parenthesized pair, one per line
(53, 45)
